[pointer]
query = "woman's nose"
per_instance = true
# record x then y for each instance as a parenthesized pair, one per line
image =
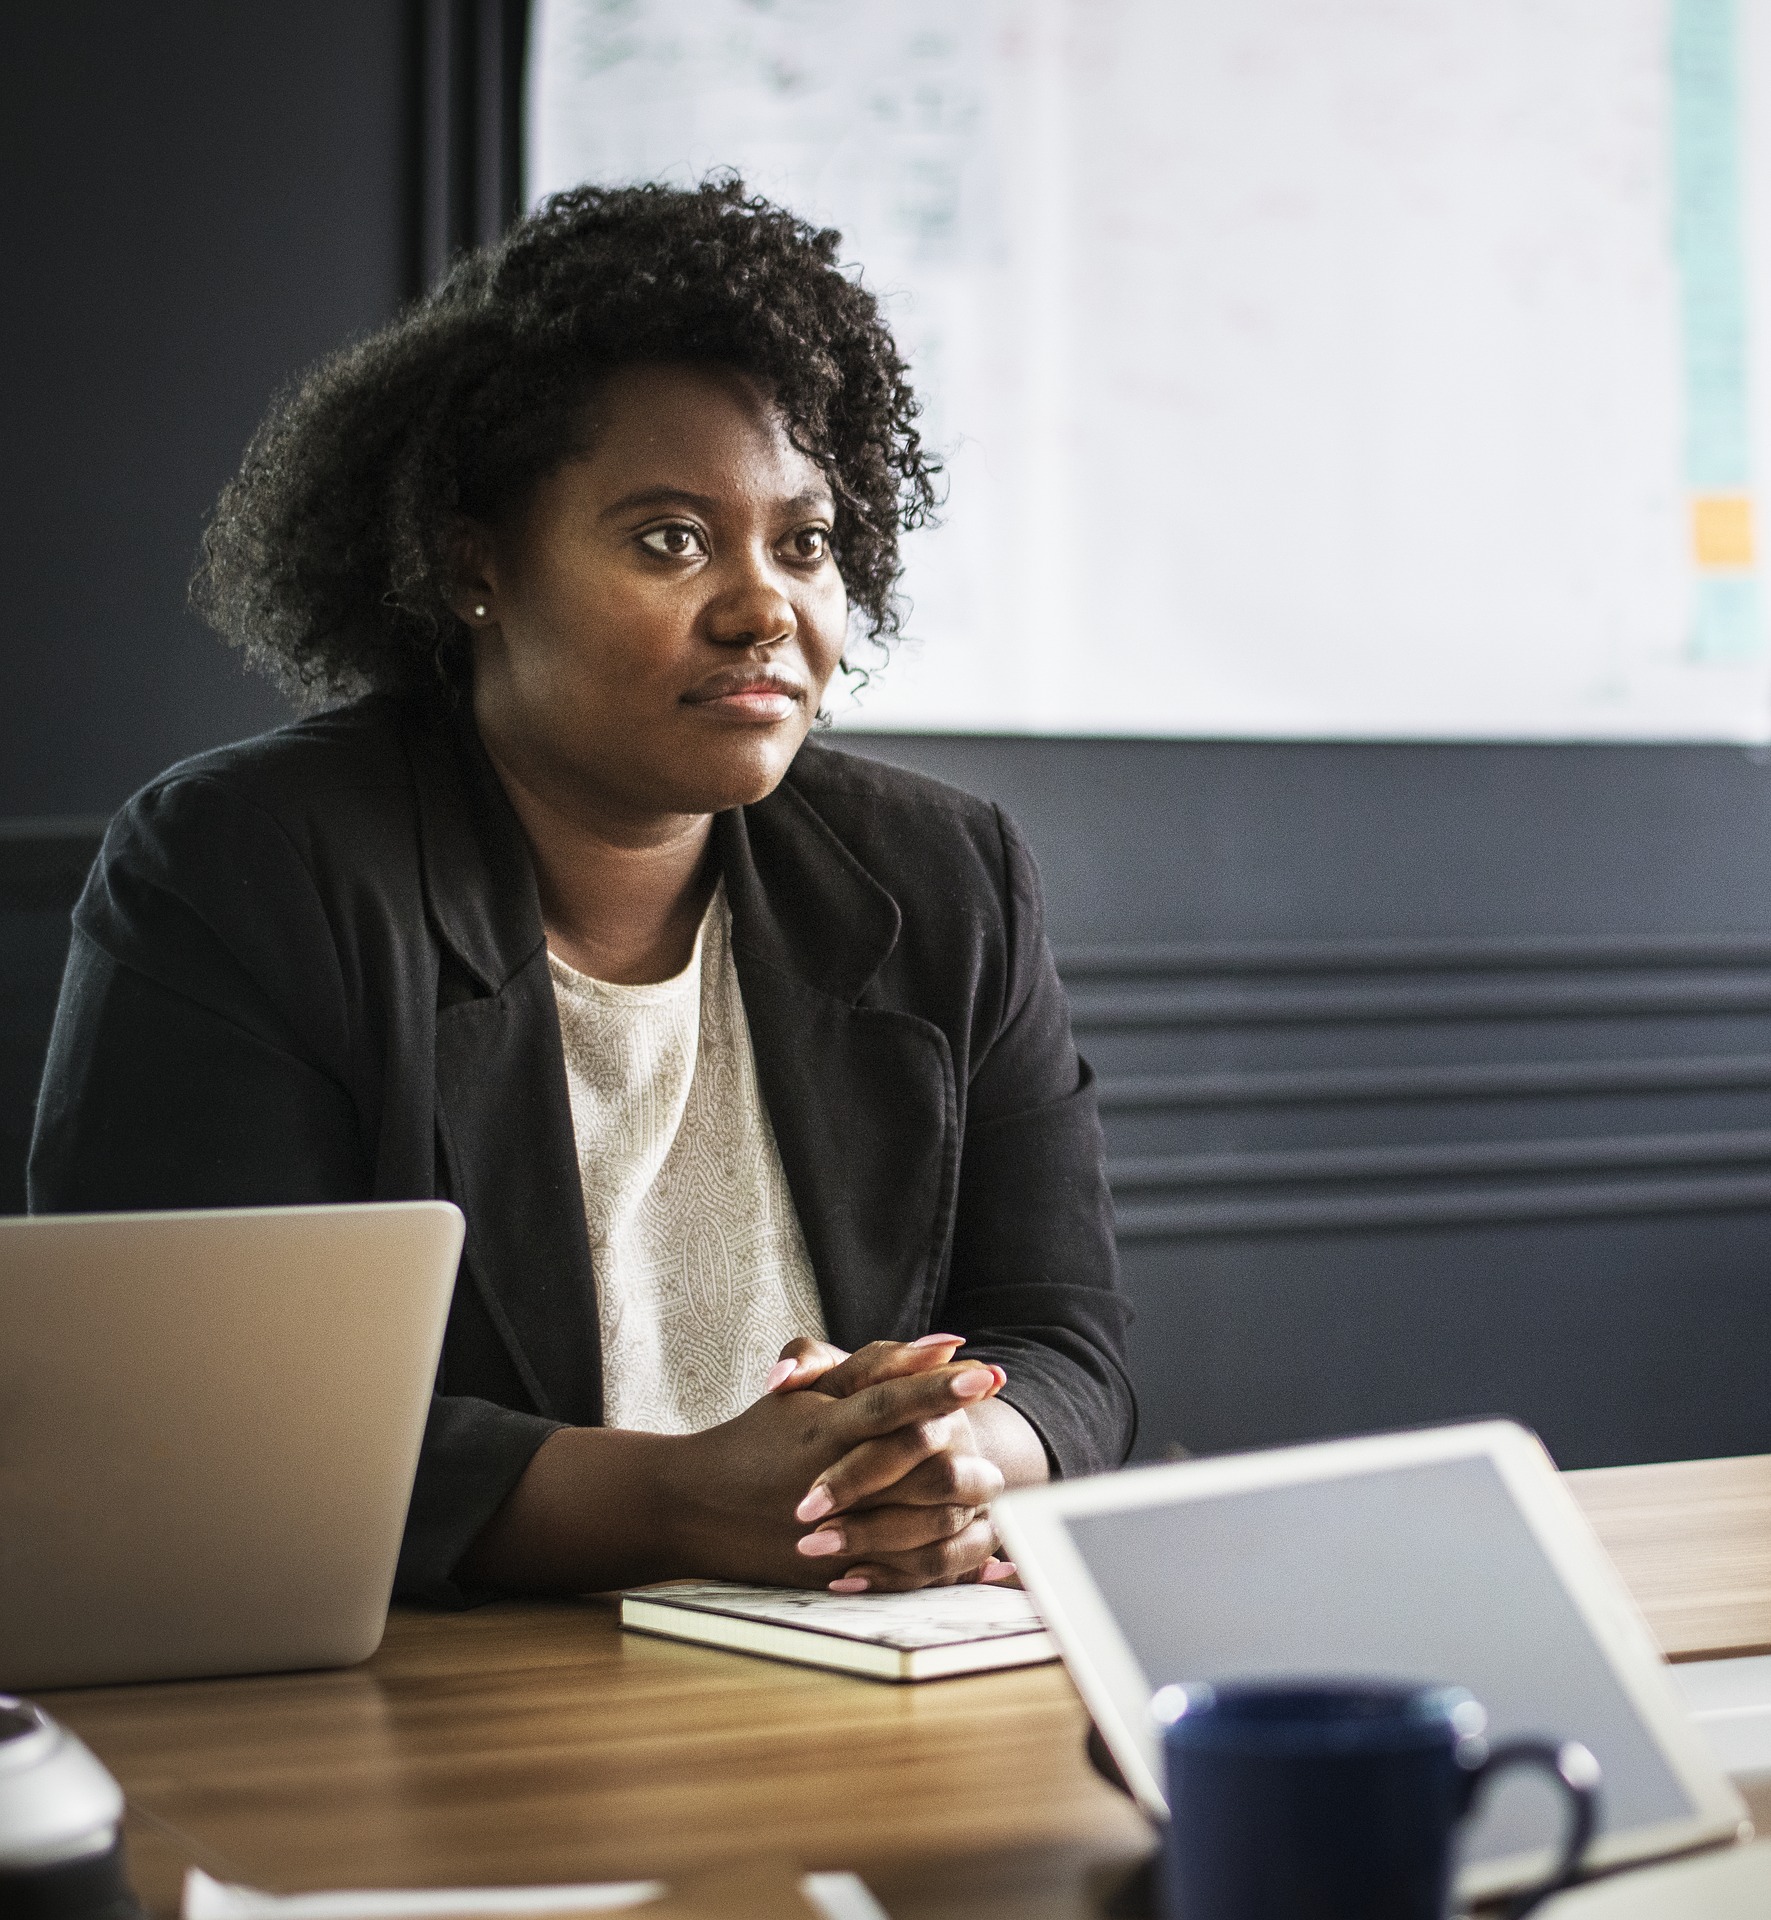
(754, 613)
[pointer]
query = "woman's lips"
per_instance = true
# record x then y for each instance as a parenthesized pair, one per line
(761, 697)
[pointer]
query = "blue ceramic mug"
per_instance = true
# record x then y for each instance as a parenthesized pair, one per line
(1338, 1800)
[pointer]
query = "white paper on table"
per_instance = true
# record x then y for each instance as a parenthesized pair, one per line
(207, 1899)
(842, 1896)
(838, 1896)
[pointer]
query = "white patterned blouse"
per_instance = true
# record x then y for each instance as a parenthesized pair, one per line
(702, 1273)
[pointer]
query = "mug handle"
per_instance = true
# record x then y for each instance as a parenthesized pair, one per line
(1576, 1772)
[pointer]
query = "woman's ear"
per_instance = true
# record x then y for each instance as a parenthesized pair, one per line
(473, 597)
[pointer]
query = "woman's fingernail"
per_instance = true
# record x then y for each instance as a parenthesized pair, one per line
(815, 1546)
(940, 1340)
(781, 1370)
(1001, 1375)
(997, 1570)
(851, 1583)
(973, 1384)
(815, 1505)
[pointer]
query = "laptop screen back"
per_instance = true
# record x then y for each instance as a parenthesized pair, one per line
(1425, 1572)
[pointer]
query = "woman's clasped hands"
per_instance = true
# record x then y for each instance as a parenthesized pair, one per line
(862, 1472)
(865, 1472)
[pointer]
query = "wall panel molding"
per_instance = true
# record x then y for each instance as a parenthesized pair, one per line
(1605, 998)
(1509, 1080)
(1185, 959)
(1372, 1000)
(1461, 1160)
(1494, 1206)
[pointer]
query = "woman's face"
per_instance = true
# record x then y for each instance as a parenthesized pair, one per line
(663, 615)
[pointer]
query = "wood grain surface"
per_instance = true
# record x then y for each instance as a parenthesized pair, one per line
(535, 1743)
(1692, 1540)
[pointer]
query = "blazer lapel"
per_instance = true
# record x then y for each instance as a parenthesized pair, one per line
(861, 1098)
(504, 1116)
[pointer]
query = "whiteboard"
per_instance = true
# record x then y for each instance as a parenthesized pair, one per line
(1304, 368)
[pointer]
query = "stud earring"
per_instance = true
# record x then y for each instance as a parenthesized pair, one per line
(479, 611)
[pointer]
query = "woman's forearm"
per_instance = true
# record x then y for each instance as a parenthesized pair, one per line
(1007, 1439)
(590, 1513)
(602, 1507)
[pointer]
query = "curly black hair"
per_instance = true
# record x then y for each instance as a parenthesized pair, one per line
(329, 558)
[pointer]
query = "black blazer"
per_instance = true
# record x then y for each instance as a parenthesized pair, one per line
(312, 968)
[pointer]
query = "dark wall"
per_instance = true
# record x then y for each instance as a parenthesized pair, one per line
(201, 198)
(1437, 1080)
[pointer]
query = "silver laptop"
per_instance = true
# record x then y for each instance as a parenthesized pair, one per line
(209, 1424)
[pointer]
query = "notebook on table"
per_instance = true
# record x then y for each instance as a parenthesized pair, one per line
(886, 1636)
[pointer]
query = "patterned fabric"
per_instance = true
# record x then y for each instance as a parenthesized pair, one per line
(701, 1270)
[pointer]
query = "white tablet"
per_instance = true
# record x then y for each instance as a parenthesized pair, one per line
(1454, 1555)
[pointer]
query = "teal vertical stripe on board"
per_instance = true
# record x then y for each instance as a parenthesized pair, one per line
(1729, 623)
(1708, 243)
(1709, 248)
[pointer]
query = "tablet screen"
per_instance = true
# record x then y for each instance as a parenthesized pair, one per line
(1425, 1572)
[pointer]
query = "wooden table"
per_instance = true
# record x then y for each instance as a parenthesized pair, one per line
(1692, 1540)
(536, 1743)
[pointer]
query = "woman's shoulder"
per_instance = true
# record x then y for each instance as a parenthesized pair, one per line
(321, 782)
(285, 810)
(345, 752)
(867, 800)
(924, 841)
(942, 853)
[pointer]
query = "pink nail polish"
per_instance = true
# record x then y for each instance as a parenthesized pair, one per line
(1001, 1376)
(997, 1570)
(940, 1340)
(815, 1505)
(851, 1583)
(816, 1546)
(781, 1370)
(973, 1384)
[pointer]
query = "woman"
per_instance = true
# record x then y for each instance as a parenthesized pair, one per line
(727, 1045)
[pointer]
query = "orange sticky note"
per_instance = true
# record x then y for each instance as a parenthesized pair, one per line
(1722, 529)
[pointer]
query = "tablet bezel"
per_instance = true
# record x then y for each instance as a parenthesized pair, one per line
(1034, 1526)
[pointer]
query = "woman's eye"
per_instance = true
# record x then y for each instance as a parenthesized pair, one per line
(675, 542)
(810, 543)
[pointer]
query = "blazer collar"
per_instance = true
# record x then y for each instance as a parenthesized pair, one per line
(479, 878)
(861, 1098)
(801, 903)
